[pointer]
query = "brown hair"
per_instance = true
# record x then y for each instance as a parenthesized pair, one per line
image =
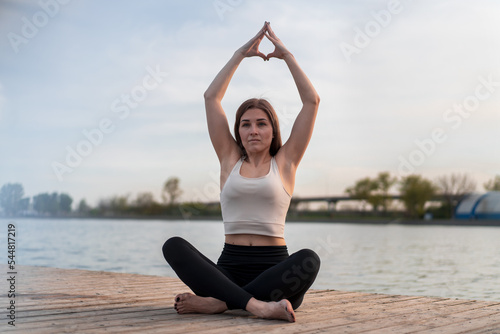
(265, 106)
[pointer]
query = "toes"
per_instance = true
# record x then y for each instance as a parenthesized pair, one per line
(292, 314)
(181, 297)
(289, 310)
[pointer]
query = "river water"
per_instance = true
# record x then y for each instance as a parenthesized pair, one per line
(445, 261)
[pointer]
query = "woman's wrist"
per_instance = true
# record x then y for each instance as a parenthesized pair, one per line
(239, 55)
(288, 56)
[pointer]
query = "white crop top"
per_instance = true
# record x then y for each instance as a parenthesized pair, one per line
(254, 205)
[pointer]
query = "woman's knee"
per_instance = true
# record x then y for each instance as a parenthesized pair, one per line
(172, 246)
(308, 260)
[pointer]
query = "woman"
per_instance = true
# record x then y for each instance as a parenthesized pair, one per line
(254, 271)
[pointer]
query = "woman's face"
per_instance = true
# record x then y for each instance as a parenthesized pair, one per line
(256, 131)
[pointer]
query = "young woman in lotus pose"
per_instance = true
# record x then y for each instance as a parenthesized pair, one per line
(254, 271)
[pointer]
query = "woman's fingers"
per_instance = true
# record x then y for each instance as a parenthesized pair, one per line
(272, 36)
(272, 55)
(270, 30)
(273, 39)
(251, 48)
(280, 51)
(261, 33)
(268, 27)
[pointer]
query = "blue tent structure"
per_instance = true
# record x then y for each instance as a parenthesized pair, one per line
(479, 206)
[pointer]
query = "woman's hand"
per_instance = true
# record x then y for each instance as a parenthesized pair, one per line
(251, 48)
(280, 51)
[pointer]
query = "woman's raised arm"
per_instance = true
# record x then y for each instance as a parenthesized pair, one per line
(295, 147)
(220, 135)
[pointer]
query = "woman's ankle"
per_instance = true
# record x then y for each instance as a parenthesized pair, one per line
(256, 307)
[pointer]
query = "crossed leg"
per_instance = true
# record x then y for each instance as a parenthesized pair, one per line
(215, 291)
(288, 279)
(189, 303)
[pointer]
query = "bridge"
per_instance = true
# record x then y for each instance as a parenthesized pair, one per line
(333, 200)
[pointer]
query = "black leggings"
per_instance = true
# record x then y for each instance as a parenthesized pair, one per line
(266, 273)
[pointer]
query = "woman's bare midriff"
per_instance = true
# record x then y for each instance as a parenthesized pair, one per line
(254, 240)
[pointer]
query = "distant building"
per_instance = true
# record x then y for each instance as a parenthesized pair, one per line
(479, 206)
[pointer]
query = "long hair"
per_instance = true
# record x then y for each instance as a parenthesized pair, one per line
(265, 106)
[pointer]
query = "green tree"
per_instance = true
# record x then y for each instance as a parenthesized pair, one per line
(64, 201)
(11, 199)
(384, 182)
(493, 184)
(415, 191)
(145, 199)
(42, 203)
(46, 203)
(171, 191)
(114, 205)
(363, 190)
(145, 204)
(52, 204)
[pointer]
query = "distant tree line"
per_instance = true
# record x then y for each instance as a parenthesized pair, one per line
(13, 202)
(12, 199)
(414, 190)
(143, 204)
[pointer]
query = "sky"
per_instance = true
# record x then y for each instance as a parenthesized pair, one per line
(105, 98)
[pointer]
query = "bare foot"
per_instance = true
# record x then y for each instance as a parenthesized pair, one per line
(189, 303)
(281, 310)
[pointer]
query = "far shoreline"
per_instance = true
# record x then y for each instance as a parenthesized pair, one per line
(332, 220)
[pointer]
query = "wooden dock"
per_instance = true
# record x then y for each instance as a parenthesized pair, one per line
(50, 300)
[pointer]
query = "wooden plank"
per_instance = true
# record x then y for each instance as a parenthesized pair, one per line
(395, 321)
(474, 319)
(354, 317)
(217, 327)
(53, 300)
